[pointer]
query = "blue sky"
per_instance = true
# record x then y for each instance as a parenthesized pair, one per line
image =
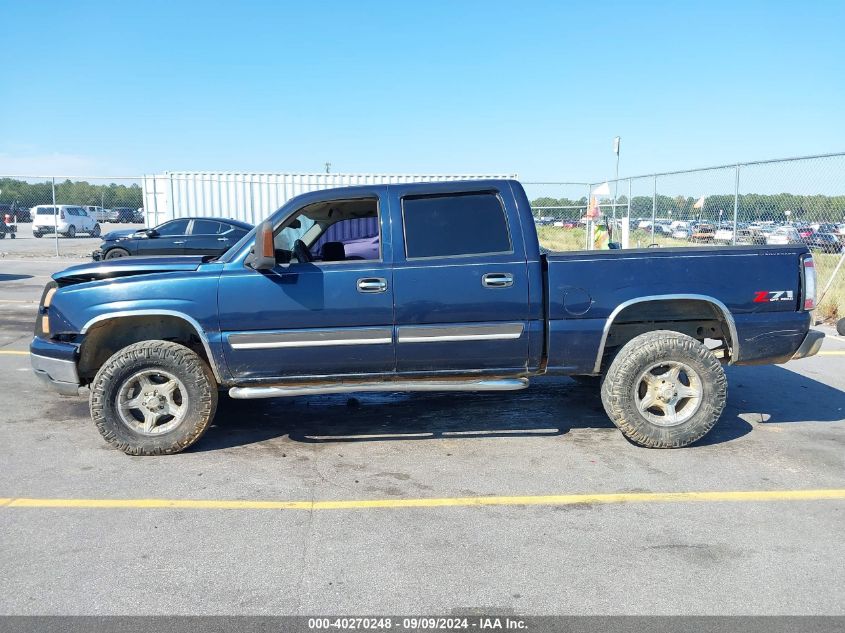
(534, 88)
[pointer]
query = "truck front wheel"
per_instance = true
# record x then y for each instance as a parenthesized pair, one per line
(664, 389)
(153, 398)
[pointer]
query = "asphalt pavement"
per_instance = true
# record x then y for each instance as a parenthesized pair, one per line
(422, 503)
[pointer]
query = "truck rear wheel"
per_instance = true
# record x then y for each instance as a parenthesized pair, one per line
(664, 389)
(153, 398)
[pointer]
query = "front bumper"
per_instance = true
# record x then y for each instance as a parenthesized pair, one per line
(55, 364)
(811, 345)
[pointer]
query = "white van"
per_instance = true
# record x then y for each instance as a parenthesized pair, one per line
(67, 219)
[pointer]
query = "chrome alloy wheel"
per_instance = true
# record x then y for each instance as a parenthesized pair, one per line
(668, 393)
(152, 402)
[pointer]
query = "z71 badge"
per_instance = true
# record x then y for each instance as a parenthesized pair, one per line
(765, 296)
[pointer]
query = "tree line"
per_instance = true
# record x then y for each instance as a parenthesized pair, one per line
(751, 207)
(27, 194)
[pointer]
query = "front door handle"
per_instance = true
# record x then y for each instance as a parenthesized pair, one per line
(372, 284)
(182, 242)
(497, 280)
(222, 239)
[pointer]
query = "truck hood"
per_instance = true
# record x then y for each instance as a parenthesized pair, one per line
(127, 266)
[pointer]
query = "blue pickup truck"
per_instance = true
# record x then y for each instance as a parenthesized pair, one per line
(417, 287)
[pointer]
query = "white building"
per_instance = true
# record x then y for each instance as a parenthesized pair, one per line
(251, 197)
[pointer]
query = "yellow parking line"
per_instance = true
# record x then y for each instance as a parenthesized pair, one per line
(838, 352)
(361, 504)
(13, 352)
(16, 301)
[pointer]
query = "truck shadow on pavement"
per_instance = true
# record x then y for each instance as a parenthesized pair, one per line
(777, 394)
(552, 406)
(12, 277)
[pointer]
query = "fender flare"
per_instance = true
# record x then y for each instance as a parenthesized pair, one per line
(733, 347)
(172, 313)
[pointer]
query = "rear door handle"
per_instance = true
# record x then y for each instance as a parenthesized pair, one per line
(372, 284)
(182, 242)
(497, 280)
(222, 239)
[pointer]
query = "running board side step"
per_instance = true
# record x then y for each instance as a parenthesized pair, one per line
(499, 384)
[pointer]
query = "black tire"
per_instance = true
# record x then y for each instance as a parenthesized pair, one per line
(199, 397)
(840, 327)
(116, 253)
(37, 234)
(12, 235)
(95, 232)
(620, 393)
(71, 231)
(2, 235)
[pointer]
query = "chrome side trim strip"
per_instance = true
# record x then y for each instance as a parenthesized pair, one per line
(438, 333)
(733, 348)
(311, 338)
(173, 313)
(499, 384)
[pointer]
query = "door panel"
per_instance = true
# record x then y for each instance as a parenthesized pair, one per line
(457, 313)
(306, 320)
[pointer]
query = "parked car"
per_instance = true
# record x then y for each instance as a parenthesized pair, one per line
(67, 219)
(825, 242)
(125, 215)
(681, 234)
(703, 233)
(442, 306)
(17, 213)
(98, 213)
(784, 235)
(723, 235)
(183, 236)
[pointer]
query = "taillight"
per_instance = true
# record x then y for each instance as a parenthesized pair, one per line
(808, 286)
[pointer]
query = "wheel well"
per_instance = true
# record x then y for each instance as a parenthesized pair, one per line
(108, 336)
(698, 318)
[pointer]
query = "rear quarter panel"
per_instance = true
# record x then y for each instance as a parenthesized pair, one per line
(585, 288)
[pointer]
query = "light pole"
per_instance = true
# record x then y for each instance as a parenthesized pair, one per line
(787, 214)
(617, 142)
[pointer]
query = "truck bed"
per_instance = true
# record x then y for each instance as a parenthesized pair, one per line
(587, 290)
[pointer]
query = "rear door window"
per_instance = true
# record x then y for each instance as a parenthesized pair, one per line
(455, 225)
(207, 227)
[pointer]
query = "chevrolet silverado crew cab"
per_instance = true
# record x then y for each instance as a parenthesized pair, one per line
(417, 287)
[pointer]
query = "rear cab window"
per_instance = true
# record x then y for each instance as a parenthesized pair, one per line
(455, 225)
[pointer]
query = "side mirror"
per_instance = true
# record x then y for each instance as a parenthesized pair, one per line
(151, 233)
(263, 255)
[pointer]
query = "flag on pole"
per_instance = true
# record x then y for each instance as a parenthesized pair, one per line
(602, 190)
(699, 204)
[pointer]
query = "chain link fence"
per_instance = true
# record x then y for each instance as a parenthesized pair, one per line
(787, 201)
(64, 216)
(800, 200)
